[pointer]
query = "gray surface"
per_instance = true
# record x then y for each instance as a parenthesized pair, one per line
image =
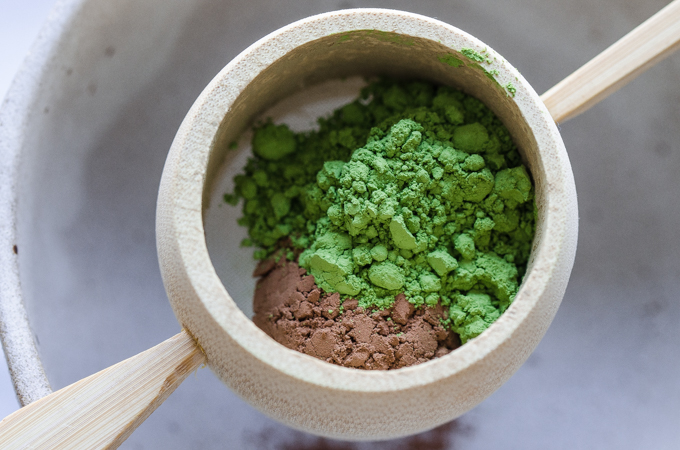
(605, 376)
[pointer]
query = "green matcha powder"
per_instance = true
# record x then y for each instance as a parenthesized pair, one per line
(412, 188)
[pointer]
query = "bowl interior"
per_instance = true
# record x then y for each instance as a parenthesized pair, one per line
(311, 81)
(233, 263)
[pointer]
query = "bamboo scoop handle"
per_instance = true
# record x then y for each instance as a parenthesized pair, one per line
(102, 410)
(627, 58)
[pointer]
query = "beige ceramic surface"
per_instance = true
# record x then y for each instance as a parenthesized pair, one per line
(297, 389)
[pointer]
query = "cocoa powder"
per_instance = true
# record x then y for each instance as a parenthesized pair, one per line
(291, 309)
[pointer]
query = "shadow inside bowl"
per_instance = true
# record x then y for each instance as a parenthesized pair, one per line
(233, 263)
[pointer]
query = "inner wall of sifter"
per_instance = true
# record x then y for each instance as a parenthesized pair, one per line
(309, 82)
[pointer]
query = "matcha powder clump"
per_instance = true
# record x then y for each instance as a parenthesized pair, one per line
(413, 188)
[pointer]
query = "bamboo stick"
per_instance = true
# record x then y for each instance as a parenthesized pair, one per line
(631, 55)
(102, 410)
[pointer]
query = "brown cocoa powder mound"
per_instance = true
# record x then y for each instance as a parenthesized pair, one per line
(291, 309)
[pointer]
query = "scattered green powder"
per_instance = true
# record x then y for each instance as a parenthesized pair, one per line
(412, 188)
(475, 56)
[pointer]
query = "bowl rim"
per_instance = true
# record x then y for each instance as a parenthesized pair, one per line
(18, 107)
(183, 214)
